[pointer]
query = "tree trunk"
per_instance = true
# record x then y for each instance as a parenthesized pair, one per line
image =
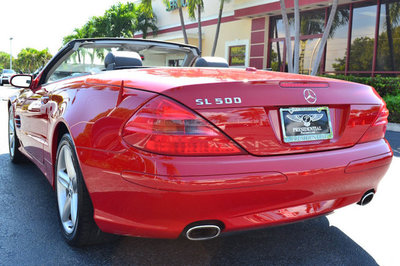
(390, 36)
(287, 36)
(185, 38)
(221, 7)
(324, 38)
(199, 27)
(296, 36)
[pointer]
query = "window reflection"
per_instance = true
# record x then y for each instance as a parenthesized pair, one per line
(312, 22)
(337, 41)
(308, 52)
(362, 42)
(362, 39)
(276, 56)
(278, 30)
(388, 56)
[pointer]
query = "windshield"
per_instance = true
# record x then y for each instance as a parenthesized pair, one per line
(91, 57)
(8, 71)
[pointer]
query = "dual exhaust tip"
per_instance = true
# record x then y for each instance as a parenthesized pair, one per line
(203, 232)
(210, 231)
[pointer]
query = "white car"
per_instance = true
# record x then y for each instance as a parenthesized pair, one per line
(5, 76)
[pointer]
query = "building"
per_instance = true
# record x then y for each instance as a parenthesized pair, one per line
(364, 39)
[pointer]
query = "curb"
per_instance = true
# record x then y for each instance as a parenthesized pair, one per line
(393, 127)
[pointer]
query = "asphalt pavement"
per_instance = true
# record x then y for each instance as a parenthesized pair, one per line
(353, 235)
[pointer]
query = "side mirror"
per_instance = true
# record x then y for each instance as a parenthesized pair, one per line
(21, 81)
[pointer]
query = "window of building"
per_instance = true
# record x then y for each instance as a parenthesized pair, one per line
(276, 57)
(312, 22)
(388, 53)
(237, 55)
(337, 41)
(357, 45)
(278, 30)
(362, 39)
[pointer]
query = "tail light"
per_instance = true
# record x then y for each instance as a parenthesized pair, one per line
(165, 127)
(377, 130)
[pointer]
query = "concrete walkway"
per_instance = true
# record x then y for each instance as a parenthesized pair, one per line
(393, 127)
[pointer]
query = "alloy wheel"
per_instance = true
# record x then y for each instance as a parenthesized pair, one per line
(11, 133)
(67, 189)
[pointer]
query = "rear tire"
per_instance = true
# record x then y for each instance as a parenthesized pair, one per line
(13, 142)
(75, 208)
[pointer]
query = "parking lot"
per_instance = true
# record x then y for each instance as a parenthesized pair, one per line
(354, 235)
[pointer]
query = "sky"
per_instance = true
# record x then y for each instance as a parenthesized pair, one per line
(42, 24)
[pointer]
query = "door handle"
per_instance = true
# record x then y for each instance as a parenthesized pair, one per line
(45, 99)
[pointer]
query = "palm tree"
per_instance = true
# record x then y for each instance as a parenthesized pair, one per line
(287, 36)
(149, 8)
(326, 34)
(296, 36)
(145, 20)
(198, 5)
(324, 38)
(221, 7)
(392, 17)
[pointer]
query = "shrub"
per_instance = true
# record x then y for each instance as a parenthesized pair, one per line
(383, 85)
(387, 87)
(393, 104)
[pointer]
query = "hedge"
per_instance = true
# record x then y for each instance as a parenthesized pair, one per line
(387, 87)
(383, 85)
(393, 104)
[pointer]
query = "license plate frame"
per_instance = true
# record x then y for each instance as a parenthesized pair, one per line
(301, 124)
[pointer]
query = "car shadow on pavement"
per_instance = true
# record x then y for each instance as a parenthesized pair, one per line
(311, 242)
(30, 234)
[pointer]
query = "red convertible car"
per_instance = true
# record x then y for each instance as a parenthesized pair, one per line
(146, 138)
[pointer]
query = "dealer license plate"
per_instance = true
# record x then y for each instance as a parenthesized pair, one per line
(306, 124)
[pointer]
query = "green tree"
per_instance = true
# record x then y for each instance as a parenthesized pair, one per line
(121, 20)
(30, 59)
(146, 21)
(360, 60)
(4, 60)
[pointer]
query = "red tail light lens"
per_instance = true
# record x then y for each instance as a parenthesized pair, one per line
(166, 127)
(378, 128)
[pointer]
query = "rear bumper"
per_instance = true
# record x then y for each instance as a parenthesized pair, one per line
(242, 192)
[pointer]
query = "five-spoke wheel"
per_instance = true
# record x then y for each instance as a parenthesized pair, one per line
(75, 207)
(67, 189)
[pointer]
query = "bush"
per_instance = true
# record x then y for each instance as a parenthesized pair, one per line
(387, 87)
(393, 104)
(383, 85)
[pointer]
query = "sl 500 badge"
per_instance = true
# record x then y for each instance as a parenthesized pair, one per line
(227, 100)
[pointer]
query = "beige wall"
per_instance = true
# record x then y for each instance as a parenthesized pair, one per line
(168, 19)
(230, 32)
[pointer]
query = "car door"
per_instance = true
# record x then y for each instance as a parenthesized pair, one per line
(31, 119)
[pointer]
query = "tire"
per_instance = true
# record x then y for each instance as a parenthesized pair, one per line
(75, 209)
(13, 142)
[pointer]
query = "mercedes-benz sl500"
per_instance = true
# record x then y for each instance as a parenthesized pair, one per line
(149, 139)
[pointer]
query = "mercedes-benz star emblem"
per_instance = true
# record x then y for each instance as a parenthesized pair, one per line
(310, 96)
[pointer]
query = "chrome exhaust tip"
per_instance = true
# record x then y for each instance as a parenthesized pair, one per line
(366, 198)
(203, 232)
